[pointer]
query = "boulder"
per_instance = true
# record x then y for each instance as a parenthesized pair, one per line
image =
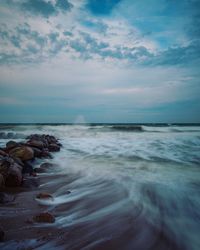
(45, 153)
(23, 152)
(35, 143)
(53, 147)
(44, 217)
(14, 177)
(28, 168)
(11, 144)
(2, 153)
(37, 152)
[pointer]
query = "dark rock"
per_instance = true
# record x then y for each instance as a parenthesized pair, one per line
(45, 153)
(6, 198)
(44, 196)
(2, 181)
(18, 161)
(28, 168)
(30, 182)
(37, 152)
(14, 177)
(24, 153)
(5, 165)
(11, 144)
(47, 165)
(53, 147)
(35, 143)
(2, 153)
(2, 234)
(45, 217)
(39, 170)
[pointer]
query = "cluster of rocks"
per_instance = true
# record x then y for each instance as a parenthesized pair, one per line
(17, 158)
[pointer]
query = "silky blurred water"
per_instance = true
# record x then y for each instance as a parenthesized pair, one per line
(131, 188)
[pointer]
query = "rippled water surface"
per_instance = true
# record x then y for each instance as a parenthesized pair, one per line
(131, 187)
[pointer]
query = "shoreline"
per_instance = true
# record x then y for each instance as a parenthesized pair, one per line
(20, 208)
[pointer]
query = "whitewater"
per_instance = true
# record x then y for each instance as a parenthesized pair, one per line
(132, 186)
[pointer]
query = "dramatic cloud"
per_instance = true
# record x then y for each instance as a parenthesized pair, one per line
(134, 60)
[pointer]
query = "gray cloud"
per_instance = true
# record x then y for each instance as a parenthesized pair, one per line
(41, 7)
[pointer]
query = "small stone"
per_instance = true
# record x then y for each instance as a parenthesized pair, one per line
(44, 196)
(45, 217)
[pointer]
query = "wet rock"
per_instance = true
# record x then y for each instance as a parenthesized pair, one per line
(2, 153)
(37, 152)
(54, 147)
(24, 153)
(5, 165)
(30, 182)
(11, 144)
(44, 196)
(2, 234)
(2, 181)
(14, 177)
(39, 170)
(28, 168)
(45, 217)
(48, 165)
(6, 198)
(45, 154)
(36, 143)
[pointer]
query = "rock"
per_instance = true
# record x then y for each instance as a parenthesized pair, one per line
(30, 182)
(2, 234)
(6, 198)
(48, 165)
(2, 181)
(39, 170)
(37, 152)
(11, 144)
(5, 165)
(24, 153)
(2, 153)
(53, 147)
(44, 196)
(14, 177)
(35, 143)
(28, 168)
(45, 217)
(45, 153)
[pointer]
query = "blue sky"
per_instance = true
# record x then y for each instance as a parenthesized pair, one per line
(99, 60)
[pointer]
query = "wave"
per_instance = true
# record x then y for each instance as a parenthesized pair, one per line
(12, 135)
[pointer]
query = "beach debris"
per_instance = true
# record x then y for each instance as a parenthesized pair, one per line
(23, 152)
(44, 217)
(44, 196)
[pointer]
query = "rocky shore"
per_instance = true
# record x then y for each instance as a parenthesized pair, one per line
(18, 172)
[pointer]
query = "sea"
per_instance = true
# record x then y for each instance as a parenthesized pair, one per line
(132, 186)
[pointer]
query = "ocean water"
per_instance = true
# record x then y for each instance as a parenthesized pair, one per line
(132, 187)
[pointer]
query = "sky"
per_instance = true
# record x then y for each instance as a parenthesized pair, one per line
(126, 61)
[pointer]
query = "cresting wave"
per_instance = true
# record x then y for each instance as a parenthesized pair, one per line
(127, 190)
